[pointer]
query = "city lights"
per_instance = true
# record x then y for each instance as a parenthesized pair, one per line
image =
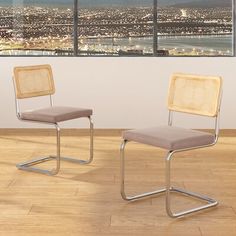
(45, 30)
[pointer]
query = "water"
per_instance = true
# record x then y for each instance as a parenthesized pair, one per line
(222, 43)
(209, 45)
(219, 43)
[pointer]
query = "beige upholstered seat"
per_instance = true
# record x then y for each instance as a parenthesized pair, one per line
(56, 114)
(169, 137)
(193, 94)
(37, 81)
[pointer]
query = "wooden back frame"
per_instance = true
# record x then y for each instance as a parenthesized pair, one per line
(195, 94)
(33, 81)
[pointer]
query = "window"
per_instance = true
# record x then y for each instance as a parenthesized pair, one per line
(36, 27)
(196, 28)
(117, 27)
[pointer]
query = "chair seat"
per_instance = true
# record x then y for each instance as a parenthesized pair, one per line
(55, 114)
(169, 137)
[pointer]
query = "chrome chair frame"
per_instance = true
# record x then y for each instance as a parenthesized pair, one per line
(28, 165)
(168, 188)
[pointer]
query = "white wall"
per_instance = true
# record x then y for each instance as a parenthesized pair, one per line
(124, 92)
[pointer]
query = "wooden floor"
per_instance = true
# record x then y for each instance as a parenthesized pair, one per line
(85, 200)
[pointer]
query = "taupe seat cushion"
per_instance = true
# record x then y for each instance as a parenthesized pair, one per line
(170, 138)
(56, 114)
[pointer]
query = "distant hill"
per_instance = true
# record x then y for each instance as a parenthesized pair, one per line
(82, 3)
(36, 2)
(93, 3)
(205, 4)
(119, 3)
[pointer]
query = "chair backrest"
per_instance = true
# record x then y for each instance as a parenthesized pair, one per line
(33, 81)
(194, 94)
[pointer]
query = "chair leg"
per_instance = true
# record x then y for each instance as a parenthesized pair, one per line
(122, 176)
(167, 190)
(84, 162)
(28, 165)
(210, 202)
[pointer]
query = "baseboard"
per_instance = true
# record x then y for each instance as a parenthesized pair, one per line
(65, 132)
(83, 132)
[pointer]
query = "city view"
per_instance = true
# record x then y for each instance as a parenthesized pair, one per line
(193, 28)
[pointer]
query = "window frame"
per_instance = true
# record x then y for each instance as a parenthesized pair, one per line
(75, 52)
(155, 35)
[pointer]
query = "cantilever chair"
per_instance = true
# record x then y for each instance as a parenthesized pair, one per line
(35, 81)
(198, 95)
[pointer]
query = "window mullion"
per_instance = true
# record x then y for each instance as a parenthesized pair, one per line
(234, 28)
(76, 19)
(155, 28)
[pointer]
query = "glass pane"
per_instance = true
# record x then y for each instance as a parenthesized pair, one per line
(195, 28)
(117, 28)
(40, 27)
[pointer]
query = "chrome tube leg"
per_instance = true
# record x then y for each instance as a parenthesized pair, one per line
(169, 189)
(28, 165)
(91, 140)
(58, 156)
(90, 159)
(122, 170)
(122, 178)
(168, 184)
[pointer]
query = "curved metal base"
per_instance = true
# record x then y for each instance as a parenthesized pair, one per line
(167, 190)
(28, 165)
(211, 202)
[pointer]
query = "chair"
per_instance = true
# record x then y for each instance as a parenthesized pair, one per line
(198, 95)
(35, 81)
